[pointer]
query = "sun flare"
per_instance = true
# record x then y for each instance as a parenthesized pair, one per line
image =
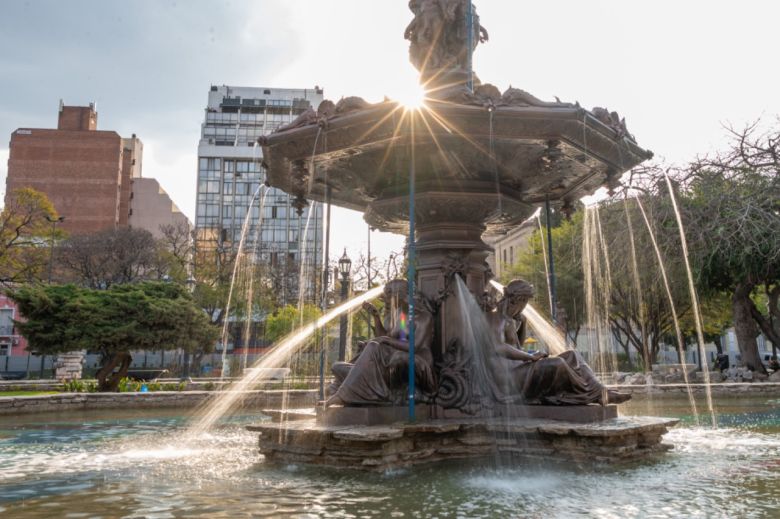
(411, 98)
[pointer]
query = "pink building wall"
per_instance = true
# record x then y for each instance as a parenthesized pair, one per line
(11, 336)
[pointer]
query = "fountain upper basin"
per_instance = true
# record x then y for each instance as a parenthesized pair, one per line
(521, 154)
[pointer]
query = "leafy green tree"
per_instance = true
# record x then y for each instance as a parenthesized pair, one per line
(25, 236)
(567, 247)
(637, 309)
(286, 319)
(114, 322)
(731, 205)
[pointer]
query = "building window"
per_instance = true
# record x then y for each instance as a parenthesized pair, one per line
(6, 321)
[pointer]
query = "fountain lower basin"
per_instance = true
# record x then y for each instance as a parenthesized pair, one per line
(400, 445)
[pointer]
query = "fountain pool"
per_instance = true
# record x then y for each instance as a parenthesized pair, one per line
(111, 464)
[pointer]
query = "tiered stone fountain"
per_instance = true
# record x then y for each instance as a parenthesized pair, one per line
(481, 162)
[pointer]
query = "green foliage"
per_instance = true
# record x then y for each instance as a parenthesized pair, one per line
(128, 385)
(286, 319)
(116, 321)
(74, 386)
(716, 316)
(738, 218)
(567, 246)
(144, 316)
(173, 386)
(25, 236)
(80, 386)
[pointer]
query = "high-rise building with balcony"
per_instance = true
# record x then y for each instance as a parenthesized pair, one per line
(230, 176)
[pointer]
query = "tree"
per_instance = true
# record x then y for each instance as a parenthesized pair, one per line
(177, 249)
(114, 322)
(111, 257)
(25, 236)
(286, 319)
(640, 309)
(567, 247)
(731, 204)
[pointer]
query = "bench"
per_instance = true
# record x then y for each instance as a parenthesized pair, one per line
(12, 375)
(145, 375)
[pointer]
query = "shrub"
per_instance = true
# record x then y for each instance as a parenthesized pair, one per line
(74, 386)
(127, 385)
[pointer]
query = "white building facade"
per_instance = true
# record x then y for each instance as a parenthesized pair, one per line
(230, 175)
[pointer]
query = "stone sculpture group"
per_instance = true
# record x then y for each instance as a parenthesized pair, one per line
(485, 364)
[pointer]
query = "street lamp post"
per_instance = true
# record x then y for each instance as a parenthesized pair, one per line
(54, 222)
(186, 371)
(345, 266)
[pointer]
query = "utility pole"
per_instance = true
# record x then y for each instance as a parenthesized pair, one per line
(54, 222)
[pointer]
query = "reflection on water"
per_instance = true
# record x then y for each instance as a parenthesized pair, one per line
(107, 465)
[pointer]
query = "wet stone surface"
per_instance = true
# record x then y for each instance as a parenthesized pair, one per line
(386, 447)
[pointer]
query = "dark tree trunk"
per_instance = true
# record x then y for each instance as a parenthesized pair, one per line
(745, 328)
(108, 380)
(718, 341)
(645, 351)
(196, 360)
(767, 323)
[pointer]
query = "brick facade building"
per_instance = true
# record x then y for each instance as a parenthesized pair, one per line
(85, 172)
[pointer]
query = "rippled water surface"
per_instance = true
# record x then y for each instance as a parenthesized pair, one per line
(133, 464)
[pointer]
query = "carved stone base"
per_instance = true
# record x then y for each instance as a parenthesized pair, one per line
(386, 447)
(370, 415)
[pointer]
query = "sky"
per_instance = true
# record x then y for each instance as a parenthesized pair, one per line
(678, 71)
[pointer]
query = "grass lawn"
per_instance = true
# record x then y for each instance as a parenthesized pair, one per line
(27, 393)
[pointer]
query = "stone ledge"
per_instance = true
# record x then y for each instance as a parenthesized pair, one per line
(158, 399)
(383, 415)
(384, 447)
(724, 389)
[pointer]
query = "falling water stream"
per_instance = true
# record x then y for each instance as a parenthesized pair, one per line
(637, 287)
(546, 260)
(542, 328)
(597, 286)
(606, 291)
(303, 250)
(276, 357)
(695, 304)
(677, 330)
(249, 274)
(236, 264)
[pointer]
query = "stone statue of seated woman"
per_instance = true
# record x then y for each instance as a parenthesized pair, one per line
(379, 374)
(563, 379)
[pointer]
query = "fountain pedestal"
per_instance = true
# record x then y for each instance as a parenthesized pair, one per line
(400, 445)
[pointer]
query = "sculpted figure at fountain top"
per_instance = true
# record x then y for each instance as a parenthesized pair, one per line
(438, 34)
